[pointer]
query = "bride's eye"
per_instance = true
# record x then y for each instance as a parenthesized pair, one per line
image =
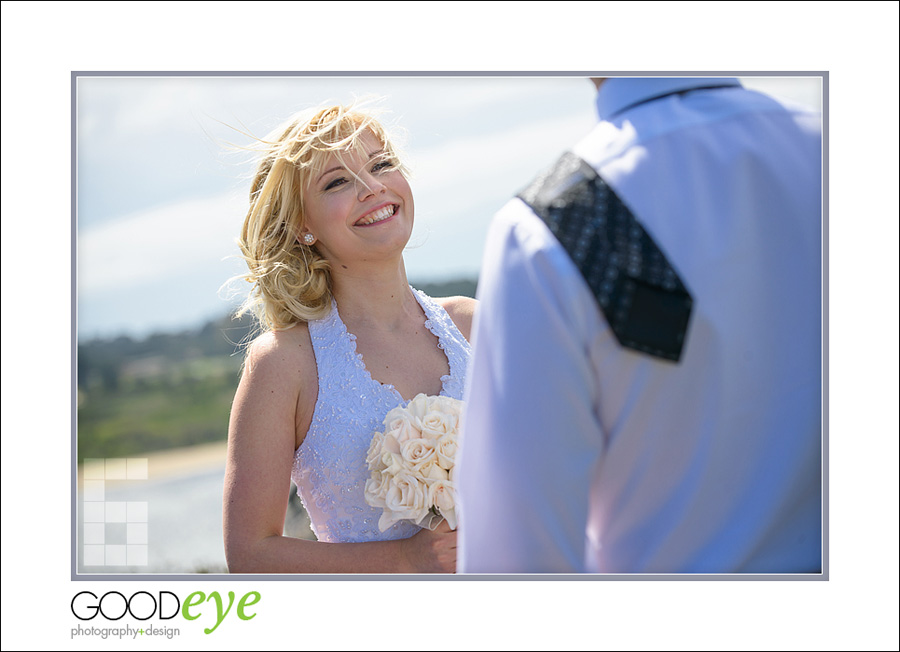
(383, 165)
(335, 183)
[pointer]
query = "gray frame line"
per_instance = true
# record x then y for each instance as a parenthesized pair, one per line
(75, 576)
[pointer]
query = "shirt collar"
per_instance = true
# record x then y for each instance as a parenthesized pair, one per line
(619, 93)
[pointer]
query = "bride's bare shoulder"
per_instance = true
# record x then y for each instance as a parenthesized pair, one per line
(461, 311)
(279, 356)
(279, 385)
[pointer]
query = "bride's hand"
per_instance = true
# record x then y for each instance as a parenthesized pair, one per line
(431, 551)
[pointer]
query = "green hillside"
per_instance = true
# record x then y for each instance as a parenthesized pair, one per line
(169, 389)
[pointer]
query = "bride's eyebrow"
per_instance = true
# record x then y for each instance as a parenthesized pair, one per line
(329, 171)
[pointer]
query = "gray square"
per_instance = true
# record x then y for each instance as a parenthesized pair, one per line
(115, 533)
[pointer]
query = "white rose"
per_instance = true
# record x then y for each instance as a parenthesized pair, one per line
(398, 412)
(446, 451)
(442, 494)
(390, 443)
(447, 405)
(431, 470)
(437, 423)
(405, 498)
(417, 452)
(392, 463)
(374, 454)
(402, 428)
(417, 408)
(376, 489)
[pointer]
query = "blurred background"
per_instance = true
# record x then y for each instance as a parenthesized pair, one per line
(162, 178)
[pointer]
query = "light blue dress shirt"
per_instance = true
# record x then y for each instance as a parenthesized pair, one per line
(581, 456)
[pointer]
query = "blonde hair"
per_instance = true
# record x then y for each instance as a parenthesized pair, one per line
(291, 280)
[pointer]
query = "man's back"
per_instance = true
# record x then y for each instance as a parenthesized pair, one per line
(713, 463)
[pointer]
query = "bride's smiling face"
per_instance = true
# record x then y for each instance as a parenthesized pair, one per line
(360, 207)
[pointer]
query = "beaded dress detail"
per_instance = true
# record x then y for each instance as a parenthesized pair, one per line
(330, 468)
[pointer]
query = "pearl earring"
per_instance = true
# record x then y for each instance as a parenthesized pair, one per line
(308, 239)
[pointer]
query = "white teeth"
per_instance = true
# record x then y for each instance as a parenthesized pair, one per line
(377, 216)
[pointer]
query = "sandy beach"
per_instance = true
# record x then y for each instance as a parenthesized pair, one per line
(172, 463)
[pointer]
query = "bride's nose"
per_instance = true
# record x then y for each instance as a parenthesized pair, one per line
(369, 185)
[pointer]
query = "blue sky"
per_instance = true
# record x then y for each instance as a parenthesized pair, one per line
(162, 182)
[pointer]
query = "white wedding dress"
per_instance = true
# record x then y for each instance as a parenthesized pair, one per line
(330, 465)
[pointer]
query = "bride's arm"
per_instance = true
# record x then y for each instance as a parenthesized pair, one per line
(274, 399)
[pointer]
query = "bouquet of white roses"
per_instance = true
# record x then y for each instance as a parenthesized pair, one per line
(412, 463)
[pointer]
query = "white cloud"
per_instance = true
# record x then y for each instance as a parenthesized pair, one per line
(805, 90)
(177, 240)
(456, 184)
(165, 242)
(468, 170)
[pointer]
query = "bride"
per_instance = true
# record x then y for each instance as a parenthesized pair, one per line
(345, 339)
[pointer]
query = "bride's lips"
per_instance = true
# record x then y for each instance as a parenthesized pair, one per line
(377, 215)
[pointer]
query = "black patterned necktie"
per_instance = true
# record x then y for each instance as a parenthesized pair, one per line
(640, 294)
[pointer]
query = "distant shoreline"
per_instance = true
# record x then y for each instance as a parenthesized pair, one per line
(174, 462)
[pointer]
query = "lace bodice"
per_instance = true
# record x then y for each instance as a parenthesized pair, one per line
(330, 466)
